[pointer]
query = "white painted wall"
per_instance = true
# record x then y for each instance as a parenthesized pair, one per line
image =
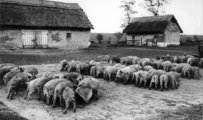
(14, 37)
(172, 35)
(79, 39)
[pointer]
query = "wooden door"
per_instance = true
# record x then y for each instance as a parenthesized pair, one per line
(27, 38)
(35, 39)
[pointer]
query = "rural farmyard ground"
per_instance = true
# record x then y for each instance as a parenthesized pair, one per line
(116, 100)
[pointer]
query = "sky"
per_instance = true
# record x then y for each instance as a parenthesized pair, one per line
(107, 16)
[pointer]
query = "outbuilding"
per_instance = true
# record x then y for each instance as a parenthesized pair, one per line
(43, 24)
(159, 31)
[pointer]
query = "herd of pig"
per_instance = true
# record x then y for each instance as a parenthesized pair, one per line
(78, 78)
(49, 86)
(158, 73)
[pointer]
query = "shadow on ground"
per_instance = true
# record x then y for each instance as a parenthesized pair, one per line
(8, 114)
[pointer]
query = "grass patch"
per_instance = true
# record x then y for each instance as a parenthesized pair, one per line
(46, 57)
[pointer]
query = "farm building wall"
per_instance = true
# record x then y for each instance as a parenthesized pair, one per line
(148, 40)
(69, 39)
(11, 38)
(45, 38)
(172, 34)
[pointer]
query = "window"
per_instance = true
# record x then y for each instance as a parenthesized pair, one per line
(68, 36)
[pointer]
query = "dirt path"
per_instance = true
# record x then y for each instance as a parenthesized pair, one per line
(117, 101)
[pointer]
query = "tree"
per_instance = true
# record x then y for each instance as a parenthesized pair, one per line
(128, 7)
(109, 40)
(118, 36)
(195, 38)
(155, 7)
(100, 38)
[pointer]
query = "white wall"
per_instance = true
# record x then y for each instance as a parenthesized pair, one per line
(172, 35)
(79, 39)
(11, 37)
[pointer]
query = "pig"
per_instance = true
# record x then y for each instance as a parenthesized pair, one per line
(100, 71)
(103, 58)
(49, 87)
(156, 72)
(7, 77)
(3, 70)
(193, 61)
(147, 68)
(93, 71)
(164, 81)
(59, 90)
(63, 64)
(155, 81)
(135, 67)
(127, 60)
(195, 73)
(72, 66)
(145, 78)
(74, 77)
(182, 59)
(166, 65)
(186, 71)
(114, 59)
(91, 83)
(178, 68)
(32, 70)
(119, 66)
(16, 82)
(137, 76)
(94, 63)
(110, 72)
(173, 79)
(37, 85)
(68, 96)
(135, 60)
(200, 63)
(158, 64)
(144, 61)
(124, 75)
(83, 68)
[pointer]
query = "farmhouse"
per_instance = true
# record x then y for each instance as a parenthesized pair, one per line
(153, 31)
(43, 24)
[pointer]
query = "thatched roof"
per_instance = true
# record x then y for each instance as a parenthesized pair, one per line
(42, 14)
(150, 25)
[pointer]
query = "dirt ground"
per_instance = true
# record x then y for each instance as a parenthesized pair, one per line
(116, 101)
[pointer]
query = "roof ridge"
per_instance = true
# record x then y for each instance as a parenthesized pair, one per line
(155, 16)
(43, 3)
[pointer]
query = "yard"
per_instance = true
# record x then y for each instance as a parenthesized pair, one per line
(116, 101)
(51, 56)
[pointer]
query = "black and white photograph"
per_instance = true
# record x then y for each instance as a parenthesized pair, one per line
(101, 59)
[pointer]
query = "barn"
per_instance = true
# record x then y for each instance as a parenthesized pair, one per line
(43, 24)
(159, 31)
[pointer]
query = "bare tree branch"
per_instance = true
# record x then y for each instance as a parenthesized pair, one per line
(154, 6)
(128, 7)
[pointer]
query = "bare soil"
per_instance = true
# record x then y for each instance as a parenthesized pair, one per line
(119, 102)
